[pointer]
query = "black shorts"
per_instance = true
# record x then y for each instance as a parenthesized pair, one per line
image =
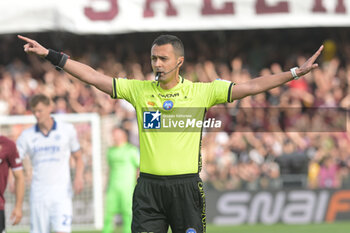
(2, 221)
(163, 201)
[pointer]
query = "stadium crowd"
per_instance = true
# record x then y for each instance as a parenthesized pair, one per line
(267, 138)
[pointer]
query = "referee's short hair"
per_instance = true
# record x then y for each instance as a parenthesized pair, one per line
(40, 98)
(173, 40)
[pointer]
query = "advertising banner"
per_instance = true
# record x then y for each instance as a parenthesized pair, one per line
(280, 206)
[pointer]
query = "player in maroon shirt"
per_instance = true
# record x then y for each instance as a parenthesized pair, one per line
(9, 158)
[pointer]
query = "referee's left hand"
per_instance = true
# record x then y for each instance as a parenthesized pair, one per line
(309, 64)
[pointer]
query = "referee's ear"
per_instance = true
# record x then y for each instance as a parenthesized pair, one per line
(180, 61)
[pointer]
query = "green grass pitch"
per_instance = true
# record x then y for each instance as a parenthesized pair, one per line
(339, 227)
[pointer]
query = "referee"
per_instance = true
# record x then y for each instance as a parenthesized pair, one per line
(169, 191)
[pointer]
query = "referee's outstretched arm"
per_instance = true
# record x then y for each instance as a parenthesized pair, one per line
(104, 83)
(79, 70)
(267, 82)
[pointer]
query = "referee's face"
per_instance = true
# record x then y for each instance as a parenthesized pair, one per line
(164, 61)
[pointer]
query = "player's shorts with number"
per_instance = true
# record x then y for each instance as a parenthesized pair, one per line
(51, 215)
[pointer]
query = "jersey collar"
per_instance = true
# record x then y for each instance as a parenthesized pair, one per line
(182, 80)
(54, 127)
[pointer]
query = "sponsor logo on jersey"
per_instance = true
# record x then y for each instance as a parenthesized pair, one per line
(0, 160)
(191, 230)
(18, 160)
(167, 105)
(169, 95)
(49, 149)
(151, 103)
(151, 120)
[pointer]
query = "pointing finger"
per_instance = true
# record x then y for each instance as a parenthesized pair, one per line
(321, 48)
(318, 52)
(25, 39)
(315, 56)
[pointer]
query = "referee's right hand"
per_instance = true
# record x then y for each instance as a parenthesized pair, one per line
(33, 47)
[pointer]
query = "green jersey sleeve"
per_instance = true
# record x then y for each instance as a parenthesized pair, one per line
(219, 92)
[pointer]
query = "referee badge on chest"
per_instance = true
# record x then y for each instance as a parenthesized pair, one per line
(191, 230)
(168, 105)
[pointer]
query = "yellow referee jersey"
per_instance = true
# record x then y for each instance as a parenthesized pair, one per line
(168, 119)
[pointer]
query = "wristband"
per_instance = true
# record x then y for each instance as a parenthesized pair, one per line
(294, 73)
(57, 59)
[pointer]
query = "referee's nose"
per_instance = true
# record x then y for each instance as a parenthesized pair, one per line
(157, 64)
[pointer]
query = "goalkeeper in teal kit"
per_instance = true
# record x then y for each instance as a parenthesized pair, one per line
(123, 161)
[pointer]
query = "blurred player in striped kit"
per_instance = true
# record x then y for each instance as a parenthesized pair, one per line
(9, 158)
(123, 161)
